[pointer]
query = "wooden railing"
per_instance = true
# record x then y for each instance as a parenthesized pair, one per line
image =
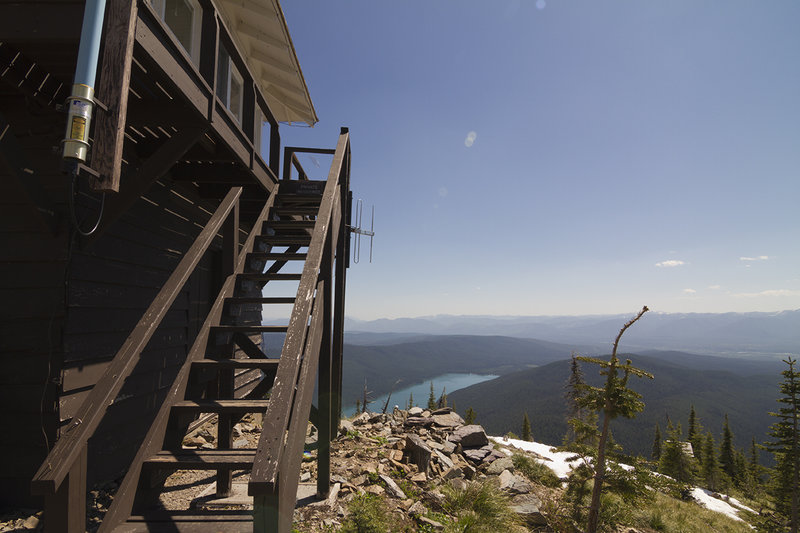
(308, 347)
(62, 476)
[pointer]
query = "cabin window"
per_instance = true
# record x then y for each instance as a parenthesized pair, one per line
(183, 18)
(259, 125)
(230, 84)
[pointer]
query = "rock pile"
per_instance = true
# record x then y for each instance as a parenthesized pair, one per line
(405, 457)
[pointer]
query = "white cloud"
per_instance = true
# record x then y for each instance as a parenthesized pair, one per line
(715, 287)
(689, 291)
(470, 140)
(670, 263)
(768, 292)
(757, 258)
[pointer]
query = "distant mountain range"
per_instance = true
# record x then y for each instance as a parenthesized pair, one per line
(750, 335)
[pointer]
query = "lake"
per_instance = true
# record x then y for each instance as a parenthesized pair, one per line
(421, 391)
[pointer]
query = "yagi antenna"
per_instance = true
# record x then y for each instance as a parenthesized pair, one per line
(359, 231)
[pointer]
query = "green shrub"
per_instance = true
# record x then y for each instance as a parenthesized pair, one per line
(535, 471)
(367, 515)
(479, 508)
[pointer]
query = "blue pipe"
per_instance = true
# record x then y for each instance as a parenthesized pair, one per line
(89, 49)
(80, 103)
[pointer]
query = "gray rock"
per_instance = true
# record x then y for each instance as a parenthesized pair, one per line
(415, 411)
(448, 420)
(431, 523)
(499, 465)
(392, 488)
(419, 453)
(506, 480)
(448, 447)
(419, 421)
(418, 509)
(443, 459)
(470, 437)
(458, 483)
(345, 427)
(493, 456)
(475, 454)
(452, 473)
(527, 507)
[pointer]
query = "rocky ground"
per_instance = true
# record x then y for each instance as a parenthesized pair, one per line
(403, 457)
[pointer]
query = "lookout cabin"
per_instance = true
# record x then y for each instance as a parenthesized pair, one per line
(154, 233)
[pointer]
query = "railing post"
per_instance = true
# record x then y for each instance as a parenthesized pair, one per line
(225, 385)
(65, 509)
(324, 393)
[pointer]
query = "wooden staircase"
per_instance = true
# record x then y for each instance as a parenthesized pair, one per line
(300, 237)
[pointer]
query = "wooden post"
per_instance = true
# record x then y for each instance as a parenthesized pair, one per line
(65, 510)
(324, 376)
(225, 386)
(112, 90)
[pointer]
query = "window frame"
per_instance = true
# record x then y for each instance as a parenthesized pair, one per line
(160, 7)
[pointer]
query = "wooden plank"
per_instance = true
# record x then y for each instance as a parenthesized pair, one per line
(222, 406)
(112, 90)
(66, 451)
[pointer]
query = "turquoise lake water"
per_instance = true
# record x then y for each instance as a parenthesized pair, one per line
(421, 391)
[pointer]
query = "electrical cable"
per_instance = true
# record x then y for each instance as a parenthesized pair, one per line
(75, 222)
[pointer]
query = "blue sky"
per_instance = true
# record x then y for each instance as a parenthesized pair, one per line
(563, 157)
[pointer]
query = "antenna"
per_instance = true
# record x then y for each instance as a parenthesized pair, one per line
(359, 231)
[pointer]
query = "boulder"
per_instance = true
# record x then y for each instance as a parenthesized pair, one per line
(527, 507)
(415, 411)
(419, 452)
(447, 420)
(497, 466)
(471, 436)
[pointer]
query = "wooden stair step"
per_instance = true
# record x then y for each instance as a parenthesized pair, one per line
(261, 300)
(277, 256)
(279, 276)
(289, 224)
(262, 364)
(241, 459)
(223, 406)
(188, 523)
(249, 329)
(295, 210)
(292, 197)
(285, 240)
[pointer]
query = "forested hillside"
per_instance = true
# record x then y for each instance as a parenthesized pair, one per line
(416, 361)
(500, 404)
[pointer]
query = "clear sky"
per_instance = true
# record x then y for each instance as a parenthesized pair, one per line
(559, 157)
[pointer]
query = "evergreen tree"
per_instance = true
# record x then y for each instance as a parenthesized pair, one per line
(469, 416)
(785, 446)
(674, 460)
(526, 428)
(442, 399)
(431, 399)
(572, 393)
(727, 462)
(656, 454)
(695, 436)
(710, 470)
(410, 400)
(613, 400)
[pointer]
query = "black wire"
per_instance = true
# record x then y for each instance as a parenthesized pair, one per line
(75, 222)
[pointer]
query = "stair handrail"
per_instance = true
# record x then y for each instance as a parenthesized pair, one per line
(272, 445)
(72, 443)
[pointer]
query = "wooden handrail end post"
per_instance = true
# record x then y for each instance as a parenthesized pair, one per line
(65, 507)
